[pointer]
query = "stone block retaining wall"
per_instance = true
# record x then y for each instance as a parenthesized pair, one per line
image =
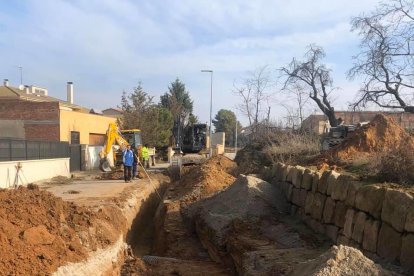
(372, 218)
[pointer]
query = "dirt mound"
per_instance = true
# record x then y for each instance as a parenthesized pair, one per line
(382, 134)
(113, 175)
(248, 197)
(245, 227)
(210, 177)
(252, 158)
(340, 260)
(40, 232)
(118, 175)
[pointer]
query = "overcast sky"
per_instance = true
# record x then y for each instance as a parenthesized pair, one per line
(107, 46)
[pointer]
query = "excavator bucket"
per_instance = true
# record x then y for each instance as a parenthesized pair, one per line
(104, 165)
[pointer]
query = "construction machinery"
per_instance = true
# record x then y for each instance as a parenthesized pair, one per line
(336, 135)
(190, 148)
(123, 138)
(194, 139)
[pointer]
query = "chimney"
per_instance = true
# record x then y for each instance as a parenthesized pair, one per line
(69, 91)
(26, 89)
(6, 82)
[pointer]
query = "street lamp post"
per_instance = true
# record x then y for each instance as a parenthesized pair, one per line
(211, 102)
(235, 141)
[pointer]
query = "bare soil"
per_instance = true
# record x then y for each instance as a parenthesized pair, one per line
(40, 232)
(341, 260)
(382, 134)
(176, 246)
(209, 224)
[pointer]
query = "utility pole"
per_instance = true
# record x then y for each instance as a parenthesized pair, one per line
(211, 103)
(235, 141)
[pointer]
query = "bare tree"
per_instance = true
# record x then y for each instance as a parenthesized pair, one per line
(313, 77)
(253, 92)
(386, 60)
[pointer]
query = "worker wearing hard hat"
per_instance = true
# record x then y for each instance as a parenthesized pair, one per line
(145, 156)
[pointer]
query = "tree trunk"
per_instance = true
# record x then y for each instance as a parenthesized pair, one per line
(332, 118)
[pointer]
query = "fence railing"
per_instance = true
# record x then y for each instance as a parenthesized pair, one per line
(18, 149)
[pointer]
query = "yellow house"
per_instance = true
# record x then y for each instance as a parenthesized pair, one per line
(83, 128)
(30, 113)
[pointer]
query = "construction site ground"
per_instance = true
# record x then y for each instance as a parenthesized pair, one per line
(212, 221)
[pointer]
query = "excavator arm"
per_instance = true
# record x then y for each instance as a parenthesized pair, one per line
(112, 135)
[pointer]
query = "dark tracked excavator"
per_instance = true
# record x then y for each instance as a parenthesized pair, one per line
(191, 148)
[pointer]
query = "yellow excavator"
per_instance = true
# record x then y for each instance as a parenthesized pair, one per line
(123, 138)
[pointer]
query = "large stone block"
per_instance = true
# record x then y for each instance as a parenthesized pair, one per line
(359, 225)
(407, 252)
(303, 195)
(290, 170)
(395, 208)
(318, 205)
(342, 240)
(347, 241)
(283, 173)
(323, 182)
(309, 202)
(293, 209)
(278, 171)
(274, 171)
(296, 196)
(331, 182)
(317, 226)
(353, 188)
(307, 180)
(297, 176)
(369, 199)
(409, 222)
(340, 189)
(331, 231)
(389, 243)
(340, 212)
(282, 187)
(349, 223)
(315, 181)
(266, 173)
(289, 190)
(329, 210)
(371, 230)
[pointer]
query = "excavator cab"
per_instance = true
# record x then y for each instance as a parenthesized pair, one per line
(133, 136)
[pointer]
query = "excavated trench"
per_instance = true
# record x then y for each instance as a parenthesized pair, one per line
(209, 223)
(212, 223)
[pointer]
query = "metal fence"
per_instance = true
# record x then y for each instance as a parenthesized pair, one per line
(18, 149)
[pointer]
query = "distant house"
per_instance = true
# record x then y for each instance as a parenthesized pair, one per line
(113, 112)
(319, 124)
(30, 113)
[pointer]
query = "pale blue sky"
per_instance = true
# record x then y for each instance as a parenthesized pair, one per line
(107, 46)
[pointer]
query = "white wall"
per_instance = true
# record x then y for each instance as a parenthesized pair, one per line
(92, 158)
(218, 138)
(32, 170)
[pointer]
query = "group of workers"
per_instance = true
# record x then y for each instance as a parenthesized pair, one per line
(132, 158)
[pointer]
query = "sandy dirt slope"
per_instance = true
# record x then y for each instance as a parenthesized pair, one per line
(40, 232)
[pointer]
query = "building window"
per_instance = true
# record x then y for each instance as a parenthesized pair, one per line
(75, 137)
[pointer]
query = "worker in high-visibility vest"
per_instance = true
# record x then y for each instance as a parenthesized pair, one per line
(145, 156)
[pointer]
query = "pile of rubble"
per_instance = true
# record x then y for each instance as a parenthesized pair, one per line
(382, 134)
